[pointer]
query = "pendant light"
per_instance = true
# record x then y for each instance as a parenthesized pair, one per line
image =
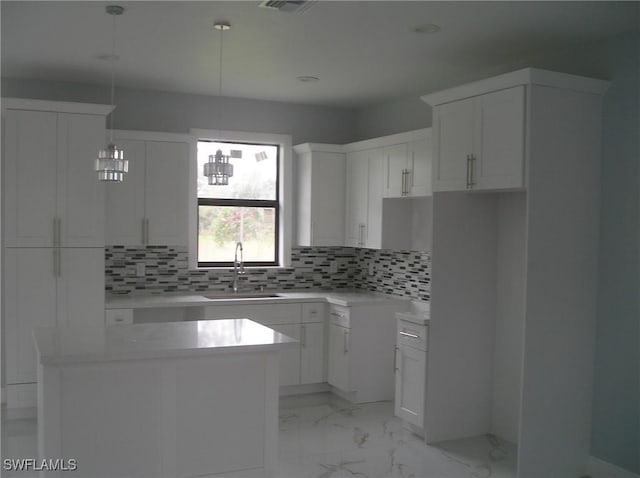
(110, 164)
(219, 169)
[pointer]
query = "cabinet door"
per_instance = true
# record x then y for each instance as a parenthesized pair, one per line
(410, 384)
(125, 200)
(373, 229)
(312, 345)
(30, 143)
(395, 169)
(338, 370)
(80, 196)
(327, 199)
(80, 286)
(289, 357)
(356, 198)
(420, 159)
(499, 140)
(166, 192)
(453, 142)
(29, 301)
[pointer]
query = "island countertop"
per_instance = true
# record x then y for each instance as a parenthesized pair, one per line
(78, 344)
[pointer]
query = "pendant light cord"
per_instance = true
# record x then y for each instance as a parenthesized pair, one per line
(113, 79)
(220, 69)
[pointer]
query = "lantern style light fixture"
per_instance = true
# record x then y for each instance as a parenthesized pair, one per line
(219, 169)
(111, 165)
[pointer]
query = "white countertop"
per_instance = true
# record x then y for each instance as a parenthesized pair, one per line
(172, 299)
(57, 345)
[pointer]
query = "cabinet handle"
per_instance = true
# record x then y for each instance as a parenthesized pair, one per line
(395, 359)
(472, 167)
(145, 231)
(337, 314)
(470, 182)
(303, 338)
(57, 262)
(361, 234)
(346, 342)
(57, 227)
(407, 334)
(312, 242)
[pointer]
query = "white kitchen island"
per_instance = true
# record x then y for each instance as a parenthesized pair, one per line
(178, 399)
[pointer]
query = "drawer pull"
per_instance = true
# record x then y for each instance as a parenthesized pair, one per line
(407, 334)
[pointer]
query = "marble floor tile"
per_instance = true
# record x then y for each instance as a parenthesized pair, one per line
(323, 436)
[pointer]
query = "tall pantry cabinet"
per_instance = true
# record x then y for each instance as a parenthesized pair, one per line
(514, 272)
(53, 228)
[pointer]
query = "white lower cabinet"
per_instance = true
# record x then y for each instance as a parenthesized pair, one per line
(312, 353)
(304, 364)
(411, 372)
(338, 359)
(45, 287)
(289, 358)
(361, 346)
(313, 343)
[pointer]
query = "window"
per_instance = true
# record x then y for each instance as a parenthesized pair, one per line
(246, 210)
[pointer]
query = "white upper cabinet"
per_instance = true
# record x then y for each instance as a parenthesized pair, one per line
(150, 206)
(420, 153)
(479, 142)
(52, 196)
(364, 191)
(321, 194)
(80, 194)
(395, 163)
(357, 187)
(407, 165)
(166, 192)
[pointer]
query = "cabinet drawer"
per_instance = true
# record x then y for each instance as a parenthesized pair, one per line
(340, 315)
(313, 312)
(412, 335)
(118, 317)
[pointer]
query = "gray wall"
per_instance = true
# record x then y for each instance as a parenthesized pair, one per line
(616, 414)
(175, 112)
(392, 117)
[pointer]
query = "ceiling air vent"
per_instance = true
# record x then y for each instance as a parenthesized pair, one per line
(288, 6)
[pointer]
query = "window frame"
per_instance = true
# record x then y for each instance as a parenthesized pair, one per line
(284, 194)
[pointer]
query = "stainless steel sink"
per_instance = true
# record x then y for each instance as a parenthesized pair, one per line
(241, 295)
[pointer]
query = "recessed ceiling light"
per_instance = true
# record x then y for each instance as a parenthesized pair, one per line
(308, 79)
(426, 28)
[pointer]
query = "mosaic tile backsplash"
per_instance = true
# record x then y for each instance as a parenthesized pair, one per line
(403, 273)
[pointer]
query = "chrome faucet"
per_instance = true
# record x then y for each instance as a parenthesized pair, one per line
(238, 267)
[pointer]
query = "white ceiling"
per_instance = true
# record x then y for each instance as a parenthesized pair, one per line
(364, 52)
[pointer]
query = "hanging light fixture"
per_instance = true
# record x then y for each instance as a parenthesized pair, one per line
(219, 169)
(110, 163)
